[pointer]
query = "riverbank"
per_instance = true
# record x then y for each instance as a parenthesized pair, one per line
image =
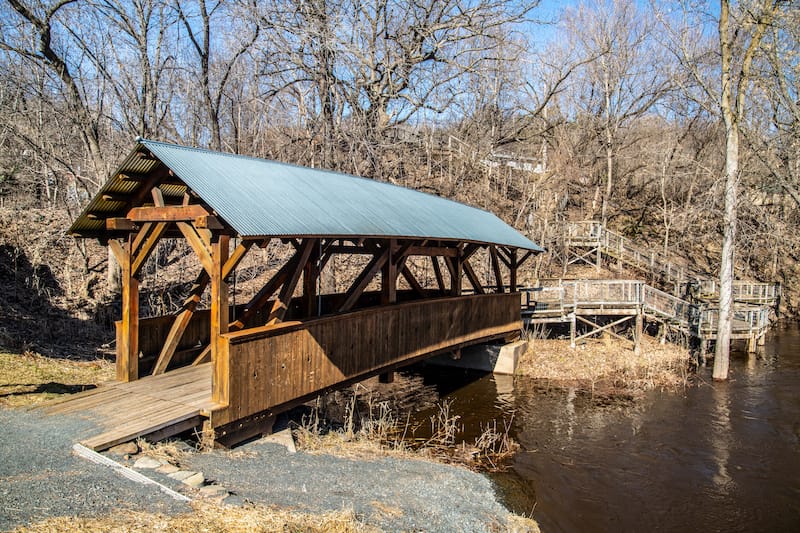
(607, 367)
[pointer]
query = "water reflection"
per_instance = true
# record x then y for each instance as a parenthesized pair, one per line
(716, 456)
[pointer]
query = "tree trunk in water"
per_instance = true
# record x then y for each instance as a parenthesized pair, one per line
(729, 117)
(722, 352)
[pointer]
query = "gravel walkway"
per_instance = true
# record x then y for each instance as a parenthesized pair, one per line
(40, 477)
(393, 494)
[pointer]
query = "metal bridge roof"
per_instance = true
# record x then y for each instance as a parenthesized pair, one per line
(262, 198)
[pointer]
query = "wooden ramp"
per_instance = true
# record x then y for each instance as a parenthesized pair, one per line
(162, 405)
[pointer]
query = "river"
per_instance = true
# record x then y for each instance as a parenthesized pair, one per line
(710, 457)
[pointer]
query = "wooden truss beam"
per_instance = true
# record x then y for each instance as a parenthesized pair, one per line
(498, 275)
(281, 304)
(190, 306)
(473, 278)
(363, 279)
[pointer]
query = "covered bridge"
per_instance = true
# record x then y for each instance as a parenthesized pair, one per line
(244, 363)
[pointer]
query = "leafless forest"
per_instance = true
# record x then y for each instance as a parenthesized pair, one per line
(676, 123)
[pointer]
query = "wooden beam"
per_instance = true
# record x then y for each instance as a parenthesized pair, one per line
(505, 255)
(181, 322)
(281, 304)
(158, 197)
(389, 275)
(120, 251)
(432, 251)
(198, 244)
(172, 213)
(311, 272)
(262, 297)
(147, 247)
(363, 279)
(412, 281)
(525, 257)
(236, 257)
(437, 271)
(220, 377)
(128, 344)
(473, 278)
(120, 224)
(512, 268)
(456, 267)
(189, 307)
(208, 222)
(498, 275)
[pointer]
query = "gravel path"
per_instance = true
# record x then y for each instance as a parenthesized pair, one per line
(393, 494)
(40, 477)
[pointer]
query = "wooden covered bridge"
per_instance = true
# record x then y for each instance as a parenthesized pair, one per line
(232, 368)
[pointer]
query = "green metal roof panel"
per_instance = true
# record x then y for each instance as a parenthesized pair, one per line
(258, 197)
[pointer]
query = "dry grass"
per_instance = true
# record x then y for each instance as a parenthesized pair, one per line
(607, 366)
(210, 517)
(380, 433)
(29, 378)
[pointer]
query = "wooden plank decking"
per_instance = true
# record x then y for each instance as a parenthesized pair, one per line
(166, 404)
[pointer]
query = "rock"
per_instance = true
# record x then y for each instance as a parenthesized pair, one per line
(213, 491)
(127, 448)
(284, 438)
(146, 463)
(195, 480)
(180, 475)
(167, 469)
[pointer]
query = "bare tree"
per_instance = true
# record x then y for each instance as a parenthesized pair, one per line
(626, 79)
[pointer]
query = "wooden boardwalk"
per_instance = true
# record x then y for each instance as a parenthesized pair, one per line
(157, 406)
(568, 301)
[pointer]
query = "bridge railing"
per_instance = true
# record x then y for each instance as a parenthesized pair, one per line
(271, 367)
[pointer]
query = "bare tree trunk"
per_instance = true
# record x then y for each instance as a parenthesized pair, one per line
(732, 106)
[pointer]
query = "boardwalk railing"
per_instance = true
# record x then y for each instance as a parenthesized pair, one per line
(593, 235)
(557, 300)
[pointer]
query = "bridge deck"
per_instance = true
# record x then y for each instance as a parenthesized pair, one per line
(166, 404)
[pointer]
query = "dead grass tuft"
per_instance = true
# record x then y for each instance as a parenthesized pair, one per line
(380, 433)
(607, 367)
(30, 378)
(208, 516)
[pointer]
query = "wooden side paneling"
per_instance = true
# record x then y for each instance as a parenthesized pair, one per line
(272, 366)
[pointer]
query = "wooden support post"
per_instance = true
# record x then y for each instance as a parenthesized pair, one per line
(572, 327)
(637, 332)
(598, 258)
(457, 274)
(751, 343)
(386, 377)
(512, 282)
(220, 378)
(310, 276)
(498, 275)
(389, 276)
(128, 343)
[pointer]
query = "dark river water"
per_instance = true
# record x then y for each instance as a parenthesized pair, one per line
(711, 457)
